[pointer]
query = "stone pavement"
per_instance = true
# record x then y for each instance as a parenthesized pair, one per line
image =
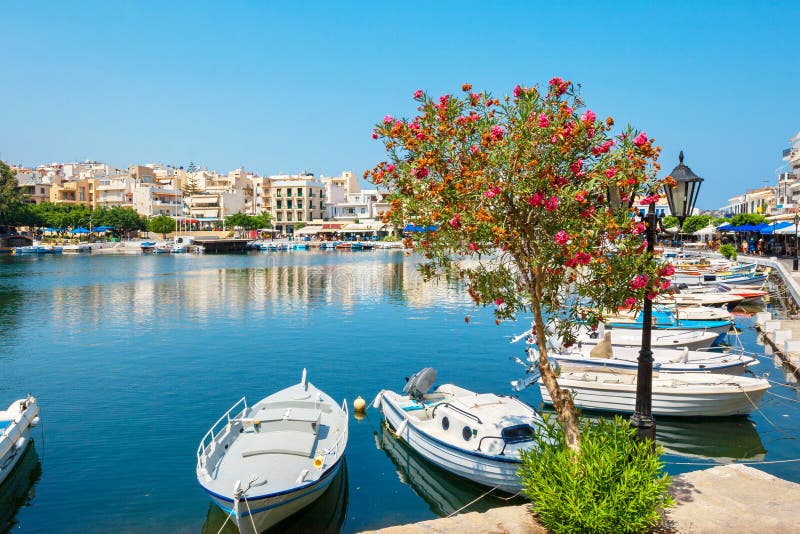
(729, 498)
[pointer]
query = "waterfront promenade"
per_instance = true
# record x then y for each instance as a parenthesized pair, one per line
(729, 498)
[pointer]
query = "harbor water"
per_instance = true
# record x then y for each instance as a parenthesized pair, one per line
(132, 358)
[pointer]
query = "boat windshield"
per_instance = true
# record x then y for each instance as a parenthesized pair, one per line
(517, 433)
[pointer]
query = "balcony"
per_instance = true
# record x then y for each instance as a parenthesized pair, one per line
(788, 152)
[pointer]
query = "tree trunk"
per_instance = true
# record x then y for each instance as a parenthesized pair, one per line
(562, 399)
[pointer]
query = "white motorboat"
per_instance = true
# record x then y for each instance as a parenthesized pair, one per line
(674, 394)
(80, 248)
(16, 424)
(630, 337)
(262, 463)
(703, 313)
(477, 436)
(664, 360)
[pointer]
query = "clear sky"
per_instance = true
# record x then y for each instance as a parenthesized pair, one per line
(283, 87)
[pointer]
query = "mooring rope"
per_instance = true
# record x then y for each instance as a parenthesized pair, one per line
(226, 521)
(473, 501)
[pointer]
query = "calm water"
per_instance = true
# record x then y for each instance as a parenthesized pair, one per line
(133, 358)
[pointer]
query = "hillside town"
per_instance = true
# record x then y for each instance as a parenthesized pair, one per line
(298, 203)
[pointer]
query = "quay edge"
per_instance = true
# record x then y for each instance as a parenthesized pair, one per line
(726, 498)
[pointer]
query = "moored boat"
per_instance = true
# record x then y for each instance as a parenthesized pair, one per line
(16, 424)
(262, 463)
(477, 436)
(10, 239)
(673, 394)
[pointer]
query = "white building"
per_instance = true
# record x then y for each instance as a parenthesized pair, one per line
(151, 200)
(114, 191)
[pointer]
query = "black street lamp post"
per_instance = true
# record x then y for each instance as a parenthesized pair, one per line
(796, 221)
(681, 199)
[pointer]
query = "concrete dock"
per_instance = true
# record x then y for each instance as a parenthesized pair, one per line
(728, 498)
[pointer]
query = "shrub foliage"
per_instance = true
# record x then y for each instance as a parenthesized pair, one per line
(616, 484)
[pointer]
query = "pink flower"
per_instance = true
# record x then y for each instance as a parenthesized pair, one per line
(588, 117)
(473, 247)
(551, 204)
(455, 222)
(418, 94)
(388, 119)
(499, 302)
(493, 192)
(536, 200)
(667, 270)
(374, 135)
(498, 132)
(630, 301)
(474, 149)
(611, 171)
(562, 237)
(602, 149)
(517, 91)
(587, 213)
(640, 139)
(559, 181)
(580, 196)
(665, 284)
(646, 201)
(544, 122)
(556, 81)
(576, 166)
(639, 228)
(444, 99)
(583, 258)
(639, 281)
(421, 172)
(651, 296)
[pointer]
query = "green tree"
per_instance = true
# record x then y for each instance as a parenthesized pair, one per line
(748, 218)
(161, 224)
(123, 219)
(190, 185)
(695, 223)
(11, 198)
(670, 221)
(534, 194)
(263, 220)
(241, 219)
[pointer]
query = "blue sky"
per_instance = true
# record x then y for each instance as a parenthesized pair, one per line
(283, 87)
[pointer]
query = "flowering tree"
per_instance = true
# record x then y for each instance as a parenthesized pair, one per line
(535, 194)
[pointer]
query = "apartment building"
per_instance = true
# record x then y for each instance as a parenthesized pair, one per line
(151, 200)
(295, 199)
(115, 191)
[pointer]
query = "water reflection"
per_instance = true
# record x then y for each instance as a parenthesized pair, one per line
(443, 492)
(231, 291)
(18, 489)
(324, 516)
(723, 440)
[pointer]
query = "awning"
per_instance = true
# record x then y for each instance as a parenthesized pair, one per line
(102, 228)
(332, 226)
(414, 228)
(777, 226)
(81, 231)
(708, 230)
(308, 230)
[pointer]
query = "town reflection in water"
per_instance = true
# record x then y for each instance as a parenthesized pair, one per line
(201, 293)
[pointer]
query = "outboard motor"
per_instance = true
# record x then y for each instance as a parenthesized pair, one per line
(419, 384)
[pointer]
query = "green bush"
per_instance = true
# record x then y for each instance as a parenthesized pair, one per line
(728, 251)
(617, 485)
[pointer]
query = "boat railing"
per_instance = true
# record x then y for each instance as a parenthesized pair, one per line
(456, 409)
(342, 441)
(218, 427)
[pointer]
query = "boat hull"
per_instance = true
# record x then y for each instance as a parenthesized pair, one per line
(489, 470)
(666, 401)
(258, 513)
(15, 435)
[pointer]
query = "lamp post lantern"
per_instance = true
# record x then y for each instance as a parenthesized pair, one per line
(796, 221)
(681, 198)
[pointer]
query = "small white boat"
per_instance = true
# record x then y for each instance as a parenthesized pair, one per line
(477, 436)
(262, 463)
(664, 360)
(16, 424)
(703, 313)
(674, 394)
(631, 337)
(81, 248)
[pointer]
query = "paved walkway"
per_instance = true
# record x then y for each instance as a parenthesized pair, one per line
(729, 498)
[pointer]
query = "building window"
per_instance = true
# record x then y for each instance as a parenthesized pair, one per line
(288, 191)
(321, 205)
(299, 191)
(288, 204)
(278, 204)
(299, 215)
(289, 216)
(280, 216)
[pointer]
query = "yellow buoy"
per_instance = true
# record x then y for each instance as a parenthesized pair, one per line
(359, 405)
(318, 462)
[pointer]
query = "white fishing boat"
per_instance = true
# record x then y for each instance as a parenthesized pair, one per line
(664, 360)
(262, 463)
(477, 436)
(80, 248)
(16, 424)
(631, 337)
(674, 394)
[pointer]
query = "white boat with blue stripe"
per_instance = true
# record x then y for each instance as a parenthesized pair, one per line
(477, 436)
(16, 424)
(262, 463)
